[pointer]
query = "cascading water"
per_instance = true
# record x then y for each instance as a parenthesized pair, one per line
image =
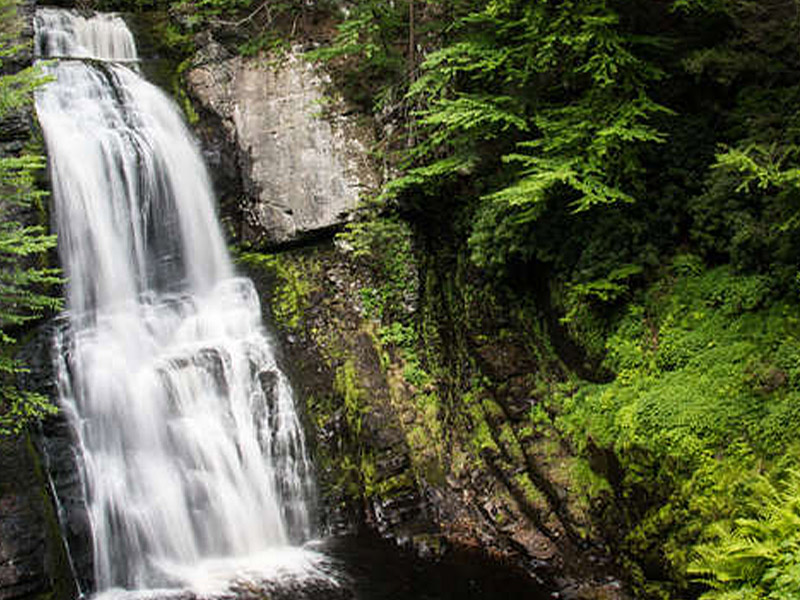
(193, 452)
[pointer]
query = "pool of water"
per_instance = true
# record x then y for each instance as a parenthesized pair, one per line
(351, 567)
(374, 569)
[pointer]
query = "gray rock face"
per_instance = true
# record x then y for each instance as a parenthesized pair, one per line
(303, 162)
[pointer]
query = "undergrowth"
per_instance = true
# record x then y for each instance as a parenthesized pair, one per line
(701, 417)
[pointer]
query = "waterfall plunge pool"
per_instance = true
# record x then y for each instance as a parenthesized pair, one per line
(346, 567)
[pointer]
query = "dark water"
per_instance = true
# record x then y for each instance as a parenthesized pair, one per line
(379, 570)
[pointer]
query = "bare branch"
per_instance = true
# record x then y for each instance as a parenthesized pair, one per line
(249, 17)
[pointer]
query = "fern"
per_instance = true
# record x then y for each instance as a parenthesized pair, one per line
(579, 147)
(365, 41)
(760, 167)
(481, 60)
(15, 88)
(429, 178)
(470, 114)
(758, 556)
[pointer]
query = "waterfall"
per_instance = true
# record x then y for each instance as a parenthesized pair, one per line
(193, 453)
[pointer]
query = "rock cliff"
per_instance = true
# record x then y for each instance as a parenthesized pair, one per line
(437, 460)
(303, 159)
(31, 559)
(435, 451)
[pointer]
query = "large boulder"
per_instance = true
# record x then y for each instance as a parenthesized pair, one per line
(303, 159)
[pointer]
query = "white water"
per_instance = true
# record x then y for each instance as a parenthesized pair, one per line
(193, 452)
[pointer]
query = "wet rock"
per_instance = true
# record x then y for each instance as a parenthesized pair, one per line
(268, 380)
(22, 524)
(33, 559)
(59, 451)
(610, 589)
(399, 510)
(56, 450)
(303, 161)
(15, 127)
(213, 362)
(314, 589)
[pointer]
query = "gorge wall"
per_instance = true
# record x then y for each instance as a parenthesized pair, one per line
(592, 393)
(428, 440)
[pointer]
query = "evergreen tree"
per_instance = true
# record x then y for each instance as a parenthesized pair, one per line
(539, 102)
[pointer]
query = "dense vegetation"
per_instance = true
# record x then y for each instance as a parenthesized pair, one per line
(24, 276)
(640, 161)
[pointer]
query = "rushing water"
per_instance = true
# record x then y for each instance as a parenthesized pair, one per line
(194, 458)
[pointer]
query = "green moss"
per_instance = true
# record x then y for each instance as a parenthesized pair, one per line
(590, 483)
(347, 384)
(292, 288)
(540, 420)
(492, 409)
(480, 434)
(531, 493)
(508, 439)
(368, 474)
(350, 477)
(393, 486)
(426, 438)
(383, 247)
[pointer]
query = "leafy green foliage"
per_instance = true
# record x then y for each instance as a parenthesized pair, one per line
(383, 245)
(20, 300)
(25, 281)
(605, 153)
(748, 212)
(757, 556)
(603, 290)
(367, 43)
(704, 399)
(24, 287)
(556, 93)
(522, 116)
